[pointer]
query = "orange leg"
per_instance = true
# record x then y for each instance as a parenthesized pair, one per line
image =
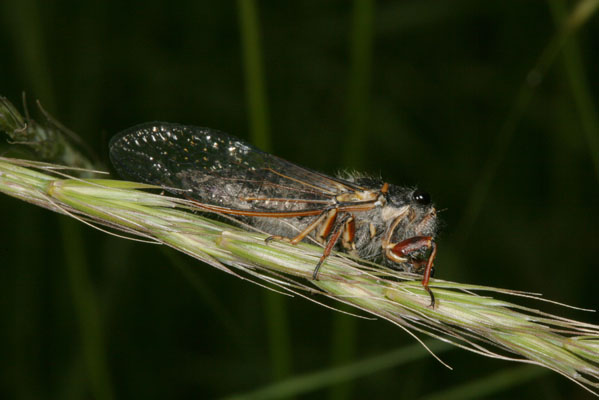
(337, 231)
(329, 222)
(328, 216)
(349, 233)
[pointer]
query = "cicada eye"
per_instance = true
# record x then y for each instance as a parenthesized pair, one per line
(421, 197)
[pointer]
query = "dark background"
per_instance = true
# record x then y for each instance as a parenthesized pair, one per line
(440, 100)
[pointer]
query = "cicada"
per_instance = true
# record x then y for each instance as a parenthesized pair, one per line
(358, 214)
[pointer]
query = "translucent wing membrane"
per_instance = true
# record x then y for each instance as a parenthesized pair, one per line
(217, 169)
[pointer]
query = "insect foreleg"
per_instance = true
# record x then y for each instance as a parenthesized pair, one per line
(399, 251)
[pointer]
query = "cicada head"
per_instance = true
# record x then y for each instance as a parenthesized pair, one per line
(414, 214)
(411, 227)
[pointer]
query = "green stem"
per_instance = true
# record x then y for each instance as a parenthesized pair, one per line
(275, 305)
(344, 327)
(576, 19)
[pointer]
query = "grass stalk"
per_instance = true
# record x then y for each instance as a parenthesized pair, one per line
(276, 309)
(575, 74)
(344, 333)
(578, 16)
(462, 316)
(305, 383)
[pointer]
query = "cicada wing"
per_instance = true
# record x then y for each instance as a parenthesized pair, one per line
(218, 169)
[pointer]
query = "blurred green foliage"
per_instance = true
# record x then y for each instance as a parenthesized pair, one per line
(443, 79)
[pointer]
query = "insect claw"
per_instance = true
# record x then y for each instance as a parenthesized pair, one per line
(276, 237)
(269, 239)
(430, 292)
(315, 273)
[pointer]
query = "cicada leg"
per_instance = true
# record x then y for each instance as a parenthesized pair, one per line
(329, 233)
(340, 226)
(406, 247)
(327, 216)
(349, 233)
